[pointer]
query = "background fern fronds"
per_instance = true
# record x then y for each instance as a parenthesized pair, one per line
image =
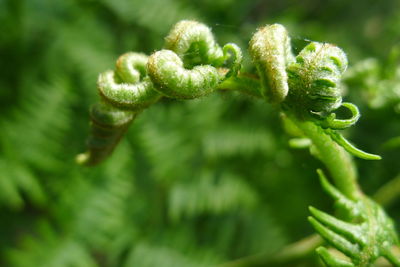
(193, 183)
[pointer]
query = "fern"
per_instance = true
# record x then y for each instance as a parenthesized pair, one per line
(22, 155)
(308, 89)
(379, 89)
(209, 194)
(50, 250)
(224, 152)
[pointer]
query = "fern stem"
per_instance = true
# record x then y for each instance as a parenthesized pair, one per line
(336, 159)
(298, 250)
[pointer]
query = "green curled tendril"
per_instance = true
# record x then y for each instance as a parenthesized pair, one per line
(124, 88)
(108, 125)
(271, 52)
(339, 124)
(191, 65)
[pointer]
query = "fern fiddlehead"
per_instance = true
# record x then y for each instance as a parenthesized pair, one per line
(123, 88)
(306, 87)
(173, 80)
(125, 92)
(191, 65)
(195, 42)
(313, 83)
(314, 77)
(271, 52)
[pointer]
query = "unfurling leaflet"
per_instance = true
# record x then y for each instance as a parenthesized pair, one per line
(192, 63)
(194, 42)
(125, 92)
(314, 79)
(365, 235)
(340, 124)
(271, 52)
(124, 88)
(173, 80)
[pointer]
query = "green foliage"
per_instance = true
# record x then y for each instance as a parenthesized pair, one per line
(160, 199)
(363, 242)
(313, 85)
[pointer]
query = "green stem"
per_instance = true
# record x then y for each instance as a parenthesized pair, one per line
(336, 159)
(385, 196)
(339, 163)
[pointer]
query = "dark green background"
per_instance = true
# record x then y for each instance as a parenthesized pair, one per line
(194, 183)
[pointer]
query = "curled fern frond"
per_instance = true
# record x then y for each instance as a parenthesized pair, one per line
(366, 235)
(108, 125)
(191, 39)
(271, 52)
(330, 124)
(314, 78)
(173, 80)
(125, 92)
(124, 88)
(339, 124)
(191, 65)
(311, 81)
(130, 67)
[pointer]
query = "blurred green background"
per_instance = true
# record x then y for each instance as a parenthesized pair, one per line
(194, 183)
